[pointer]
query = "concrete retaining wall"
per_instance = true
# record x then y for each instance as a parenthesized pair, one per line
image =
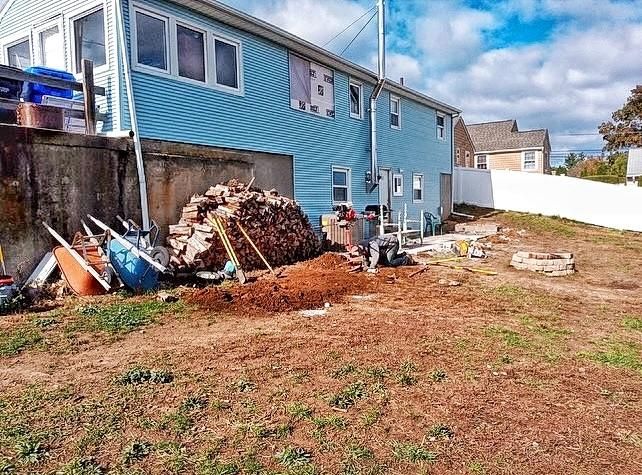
(58, 178)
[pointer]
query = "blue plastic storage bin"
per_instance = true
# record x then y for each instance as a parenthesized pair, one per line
(33, 92)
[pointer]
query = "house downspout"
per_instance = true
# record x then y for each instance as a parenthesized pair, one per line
(452, 162)
(381, 79)
(140, 165)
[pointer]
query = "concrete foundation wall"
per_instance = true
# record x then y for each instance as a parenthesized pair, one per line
(58, 178)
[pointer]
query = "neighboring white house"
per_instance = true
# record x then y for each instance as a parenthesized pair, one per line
(634, 165)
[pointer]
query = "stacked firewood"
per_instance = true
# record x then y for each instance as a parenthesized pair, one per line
(275, 223)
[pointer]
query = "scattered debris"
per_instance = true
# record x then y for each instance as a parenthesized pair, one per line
(166, 297)
(313, 313)
(449, 283)
(553, 265)
(476, 228)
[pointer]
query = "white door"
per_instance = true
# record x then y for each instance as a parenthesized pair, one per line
(385, 190)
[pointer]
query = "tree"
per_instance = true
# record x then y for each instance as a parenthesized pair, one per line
(625, 130)
(573, 159)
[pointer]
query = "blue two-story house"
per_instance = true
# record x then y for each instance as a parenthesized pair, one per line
(205, 73)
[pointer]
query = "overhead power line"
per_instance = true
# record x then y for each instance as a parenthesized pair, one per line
(348, 27)
(357, 35)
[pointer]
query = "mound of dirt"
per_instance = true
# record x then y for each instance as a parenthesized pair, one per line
(303, 286)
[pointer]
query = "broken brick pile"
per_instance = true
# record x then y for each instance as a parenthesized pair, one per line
(553, 265)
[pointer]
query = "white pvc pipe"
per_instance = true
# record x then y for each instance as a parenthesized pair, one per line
(140, 165)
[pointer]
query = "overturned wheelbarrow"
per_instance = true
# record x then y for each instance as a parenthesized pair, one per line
(134, 257)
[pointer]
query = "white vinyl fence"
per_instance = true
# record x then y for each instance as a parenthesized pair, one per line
(602, 204)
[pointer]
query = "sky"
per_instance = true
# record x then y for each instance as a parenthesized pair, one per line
(565, 65)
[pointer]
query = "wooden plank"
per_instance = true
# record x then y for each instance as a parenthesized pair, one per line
(89, 96)
(10, 73)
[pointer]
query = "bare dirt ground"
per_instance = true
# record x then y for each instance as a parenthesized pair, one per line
(510, 374)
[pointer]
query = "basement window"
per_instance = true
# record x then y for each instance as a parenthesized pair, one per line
(340, 185)
(417, 188)
(89, 39)
(395, 112)
(481, 162)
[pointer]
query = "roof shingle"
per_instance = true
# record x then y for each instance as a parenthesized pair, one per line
(504, 135)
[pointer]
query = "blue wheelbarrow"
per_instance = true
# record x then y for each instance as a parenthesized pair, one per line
(134, 256)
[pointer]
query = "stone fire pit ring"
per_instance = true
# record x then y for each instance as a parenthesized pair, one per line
(555, 264)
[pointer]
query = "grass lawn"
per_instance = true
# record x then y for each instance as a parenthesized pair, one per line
(510, 374)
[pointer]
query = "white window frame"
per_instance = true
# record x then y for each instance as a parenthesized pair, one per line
(36, 46)
(396, 99)
(467, 157)
(13, 40)
(534, 169)
(172, 49)
(458, 154)
(237, 45)
(71, 34)
(414, 175)
(348, 184)
(358, 84)
(440, 129)
(397, 179)
(477, 161)
(206, 52)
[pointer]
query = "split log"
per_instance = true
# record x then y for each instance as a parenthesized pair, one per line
(276, 224)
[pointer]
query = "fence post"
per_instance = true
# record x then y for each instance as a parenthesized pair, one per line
(90, 96)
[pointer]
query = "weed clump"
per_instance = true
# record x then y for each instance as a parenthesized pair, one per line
(407, 374)
(136, 451)
(438, 376)
(348, 396)
(409, 452)
(12, 343)
(440, 431)
(140, 375)
(294, 457)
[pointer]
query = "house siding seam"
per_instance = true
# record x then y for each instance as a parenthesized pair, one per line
(24, 15)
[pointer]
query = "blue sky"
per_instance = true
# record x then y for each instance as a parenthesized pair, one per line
(565, 65)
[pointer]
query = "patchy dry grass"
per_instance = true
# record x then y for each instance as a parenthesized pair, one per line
(542, 224)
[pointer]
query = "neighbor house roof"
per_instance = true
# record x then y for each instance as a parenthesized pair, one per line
(256, 26)
(634, 163)
(505, 135)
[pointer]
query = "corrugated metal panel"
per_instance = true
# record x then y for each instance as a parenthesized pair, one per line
(22, 15)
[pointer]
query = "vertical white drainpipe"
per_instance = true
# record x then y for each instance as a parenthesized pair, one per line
(381, 76)
(140, 165)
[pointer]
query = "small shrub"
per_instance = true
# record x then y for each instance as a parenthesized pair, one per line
(347, 397)
(139, 375)
(136, 451)
(440, 431)
(409, 452)
(438, 376)
(293, 457)
(299, 411)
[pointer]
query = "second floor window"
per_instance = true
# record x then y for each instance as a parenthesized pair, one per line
(529, 161)
(151, 41)
(441, 128)
(355, 100)
(395, 112)
(89, 39)
(191, 53)
(481, 162)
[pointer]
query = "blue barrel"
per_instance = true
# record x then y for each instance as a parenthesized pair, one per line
(33, 92)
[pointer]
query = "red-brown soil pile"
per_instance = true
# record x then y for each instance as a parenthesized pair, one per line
(306, 285)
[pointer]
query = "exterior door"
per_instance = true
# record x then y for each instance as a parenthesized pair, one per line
(385, 191)
(446, 191)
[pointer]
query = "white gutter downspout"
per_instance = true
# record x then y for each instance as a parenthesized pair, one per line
(381, 76)
(140, 165)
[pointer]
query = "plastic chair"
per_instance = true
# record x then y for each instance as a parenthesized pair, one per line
(431, 223)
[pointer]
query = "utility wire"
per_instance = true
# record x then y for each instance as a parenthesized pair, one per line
(357, 35)
(347, 27)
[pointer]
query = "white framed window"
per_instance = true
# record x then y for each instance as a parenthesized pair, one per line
(417, 188)
(227, 70)
(17, 52)
(341, 189)
(49, 46)
(167, 45)
(529, 160)
(441, 127)
(356, 99)
(395, 112)
(191, 52)
(88, 38)
(481, 162)
(311, 87)
(458, 154)
(151, 40)
(397, 185)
